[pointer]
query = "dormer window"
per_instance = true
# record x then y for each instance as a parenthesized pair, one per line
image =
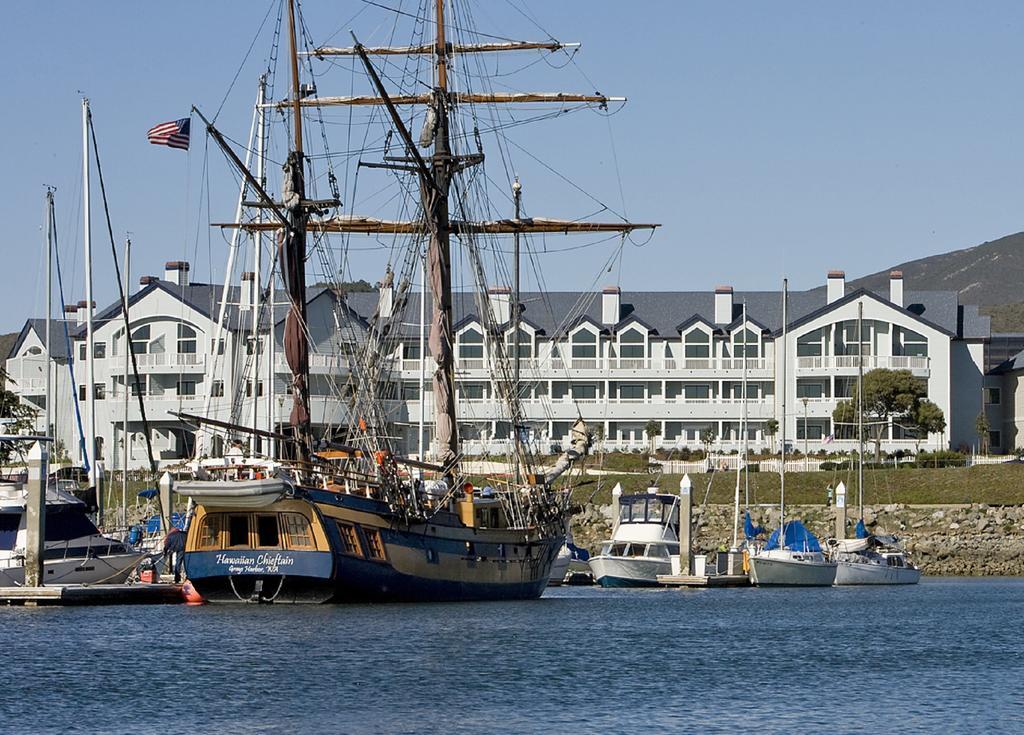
(697, 344)
(525, 344)
(471, 345)
(746, 344)
(584, 345)
(631, 344)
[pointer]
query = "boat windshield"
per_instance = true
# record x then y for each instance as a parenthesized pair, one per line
(648, 509)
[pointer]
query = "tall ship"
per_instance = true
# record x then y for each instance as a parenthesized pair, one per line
(346, 515)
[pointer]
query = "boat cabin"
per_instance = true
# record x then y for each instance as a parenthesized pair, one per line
(660, 509)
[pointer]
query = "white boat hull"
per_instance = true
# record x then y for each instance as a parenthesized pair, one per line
(766, 570)
(112, 569)
(854, 573)
(559, 567)
(619, 571)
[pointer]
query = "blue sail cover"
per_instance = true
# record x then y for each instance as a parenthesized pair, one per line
(749, 529)
(798, 538)
(861, 532)
(578, 554)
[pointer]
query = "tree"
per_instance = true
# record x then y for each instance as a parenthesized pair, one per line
(889, 395)
(19, 417)
(707, 438)
(771, 428)
(927, 419)
(982, 427)
(653, 431)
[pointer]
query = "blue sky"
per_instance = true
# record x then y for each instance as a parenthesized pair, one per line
(770, 139)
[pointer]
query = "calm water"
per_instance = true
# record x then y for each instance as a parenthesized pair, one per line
(946, 655)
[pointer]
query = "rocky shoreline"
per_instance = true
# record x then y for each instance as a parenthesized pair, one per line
(955, 540)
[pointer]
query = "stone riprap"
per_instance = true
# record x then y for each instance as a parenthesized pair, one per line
(970, 540)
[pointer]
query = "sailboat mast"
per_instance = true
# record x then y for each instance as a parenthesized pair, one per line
(48, 410)
(785, 386)
(127, 371)
(517, 196)
(744, 416)
(860, 406)
(439, 263)
(90, 377)
(257, 246)
(293, 262)
(741, 459)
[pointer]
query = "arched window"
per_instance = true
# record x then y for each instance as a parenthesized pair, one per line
(746, 344)
(525, 344)
(186, 340)
(471, 345)
(631, 344)
(33, 351)
(908, 343)
(584, 344)
(810, 344)
(697, 344)
(140, 340)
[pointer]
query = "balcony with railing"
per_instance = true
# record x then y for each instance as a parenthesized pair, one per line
(851, 363)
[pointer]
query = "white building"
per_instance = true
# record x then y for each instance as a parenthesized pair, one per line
(619, 359)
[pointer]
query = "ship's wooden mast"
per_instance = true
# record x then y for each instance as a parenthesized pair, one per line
(439, 264)
(293, 261)
(435, 176)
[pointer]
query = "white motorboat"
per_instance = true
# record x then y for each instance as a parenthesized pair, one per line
(645, 538)
(872, 560)
(75, 551)
(560, 566)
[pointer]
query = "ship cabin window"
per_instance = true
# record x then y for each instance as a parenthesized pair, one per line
(238, 530)
(895, 561)
(618, 549)
(349, 540)
(654, 509)
(209, 532)
(659, 551)
(374, 545)
(637, 550)
(297, 530)
(266, 531)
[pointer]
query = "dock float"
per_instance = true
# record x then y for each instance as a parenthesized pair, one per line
(715, 580)
(96, 594)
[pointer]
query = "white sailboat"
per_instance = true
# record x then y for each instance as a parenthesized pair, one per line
(793, 555)
(872, 559)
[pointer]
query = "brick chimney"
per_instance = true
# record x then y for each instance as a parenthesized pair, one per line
(723, 305)
(835, 286)
(146, 280)
(84, 310)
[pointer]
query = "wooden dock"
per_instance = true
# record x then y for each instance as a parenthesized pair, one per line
(716, 580)
(97, 594)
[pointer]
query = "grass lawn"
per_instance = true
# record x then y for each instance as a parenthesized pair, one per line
(992, 484)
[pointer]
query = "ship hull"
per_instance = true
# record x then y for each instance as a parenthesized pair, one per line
(780, 572)
(612, 571)
(367, 555)
(857, 573)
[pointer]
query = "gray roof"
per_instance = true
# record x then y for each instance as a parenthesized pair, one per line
(58, 345)
(664, 311)
(661, 311)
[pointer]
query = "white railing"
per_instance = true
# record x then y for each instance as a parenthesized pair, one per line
(852, 362)
(170, 359)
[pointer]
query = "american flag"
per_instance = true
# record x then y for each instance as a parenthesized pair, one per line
(173, 134)
(828, 439)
